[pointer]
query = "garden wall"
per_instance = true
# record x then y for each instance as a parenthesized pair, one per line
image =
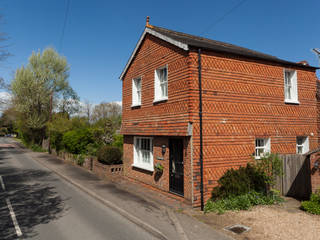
(92, 164)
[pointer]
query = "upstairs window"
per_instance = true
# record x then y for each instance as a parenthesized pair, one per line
(161, 84)
(143, 153)
(262, 147)
(302, 145)
(136, 92)
(290, 86)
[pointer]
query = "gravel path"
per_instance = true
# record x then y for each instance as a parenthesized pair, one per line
(285, 222)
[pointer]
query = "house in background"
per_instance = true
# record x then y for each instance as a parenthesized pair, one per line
(251, 103)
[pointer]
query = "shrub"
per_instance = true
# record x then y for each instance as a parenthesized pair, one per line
(76, 141)
(117, 141)
(312, 206)
(92, 149)
(241, 202)
(271, 165)
(80, 159)
(37, 148)
(109, 155)
(240, 181)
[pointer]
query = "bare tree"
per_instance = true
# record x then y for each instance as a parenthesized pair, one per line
(87, 109)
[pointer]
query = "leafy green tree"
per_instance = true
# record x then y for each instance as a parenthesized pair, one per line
(39, 87)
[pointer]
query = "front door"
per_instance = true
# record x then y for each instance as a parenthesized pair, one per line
(176, 166)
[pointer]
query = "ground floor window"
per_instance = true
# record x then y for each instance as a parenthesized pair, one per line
(262, 147)
(302, 145)
(143, 153)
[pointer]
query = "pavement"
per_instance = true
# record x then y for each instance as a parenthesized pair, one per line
(154, 213)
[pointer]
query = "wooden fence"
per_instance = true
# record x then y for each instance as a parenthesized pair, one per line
(296, 181)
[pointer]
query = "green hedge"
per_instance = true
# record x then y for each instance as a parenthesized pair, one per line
(109, 155)
(76, 141)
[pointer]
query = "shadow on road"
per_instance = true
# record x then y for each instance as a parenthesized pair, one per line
(33, 200)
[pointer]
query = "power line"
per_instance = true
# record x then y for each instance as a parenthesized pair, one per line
(222, 17)
(64, 25)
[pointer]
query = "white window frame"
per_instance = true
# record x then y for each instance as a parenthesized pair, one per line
(290, 86)
(266, 147)
(138, 154)
(136, 93)
(304, 145)
(159, 94)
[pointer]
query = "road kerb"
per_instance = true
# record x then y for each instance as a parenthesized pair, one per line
(155, 232)
(177, 225)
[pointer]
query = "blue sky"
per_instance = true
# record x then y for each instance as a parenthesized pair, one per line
(100, 35)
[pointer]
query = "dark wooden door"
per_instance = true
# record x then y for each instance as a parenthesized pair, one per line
(176, 168)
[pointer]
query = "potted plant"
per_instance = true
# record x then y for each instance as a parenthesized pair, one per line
(158, 167)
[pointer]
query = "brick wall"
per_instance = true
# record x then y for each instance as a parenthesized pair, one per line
(242, 99)
(151, 178)
(164, 118)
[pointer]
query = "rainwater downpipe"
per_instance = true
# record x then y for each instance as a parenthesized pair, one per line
(200, 123)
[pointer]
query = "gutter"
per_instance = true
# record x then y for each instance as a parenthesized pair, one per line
(200, 122)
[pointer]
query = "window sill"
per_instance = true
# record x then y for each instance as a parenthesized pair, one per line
(150, 169)
(160, 100)
(292, 102)
(136, 105)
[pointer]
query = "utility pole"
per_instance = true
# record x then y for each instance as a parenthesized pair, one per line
(317, 51)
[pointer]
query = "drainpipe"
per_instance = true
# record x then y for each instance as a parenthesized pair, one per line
(200, 120)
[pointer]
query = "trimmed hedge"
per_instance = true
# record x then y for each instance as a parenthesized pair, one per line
(109, 155)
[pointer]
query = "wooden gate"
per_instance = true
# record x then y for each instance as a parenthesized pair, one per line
(296, 181)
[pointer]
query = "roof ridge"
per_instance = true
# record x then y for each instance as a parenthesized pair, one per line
(225, 44)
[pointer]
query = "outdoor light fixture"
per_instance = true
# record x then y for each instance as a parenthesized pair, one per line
(163, 149)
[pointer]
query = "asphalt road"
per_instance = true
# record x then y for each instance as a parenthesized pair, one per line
(37, 204)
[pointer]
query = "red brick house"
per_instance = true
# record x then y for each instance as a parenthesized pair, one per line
(198, 107)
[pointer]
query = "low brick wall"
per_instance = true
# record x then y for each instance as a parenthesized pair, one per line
(92, 164)
(106, 171)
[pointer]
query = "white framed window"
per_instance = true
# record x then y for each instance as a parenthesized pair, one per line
(290, 86)
(302, 145)
(263, 146)
(143, 153)
(136, 92)
(161, 84)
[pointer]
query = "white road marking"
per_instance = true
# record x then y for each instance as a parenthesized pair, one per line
(14, 219)
(2, 184)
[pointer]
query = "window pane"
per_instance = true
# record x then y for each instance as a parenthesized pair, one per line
(260, 142)
(299, 149)
(259, 152)
(299, 141)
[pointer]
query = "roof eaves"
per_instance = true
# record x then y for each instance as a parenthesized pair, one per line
(158, 35)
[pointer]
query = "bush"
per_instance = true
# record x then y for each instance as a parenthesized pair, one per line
(80, 159)
(76, 141)
(117, 141)
(239, 182)
(312, 206)
(109, 155)
(37, 148)
(242, 202)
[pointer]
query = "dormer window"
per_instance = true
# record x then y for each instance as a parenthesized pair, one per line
(161, 84)
(290, 86)
(136, 92)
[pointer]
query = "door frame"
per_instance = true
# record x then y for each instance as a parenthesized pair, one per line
(173, 189)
